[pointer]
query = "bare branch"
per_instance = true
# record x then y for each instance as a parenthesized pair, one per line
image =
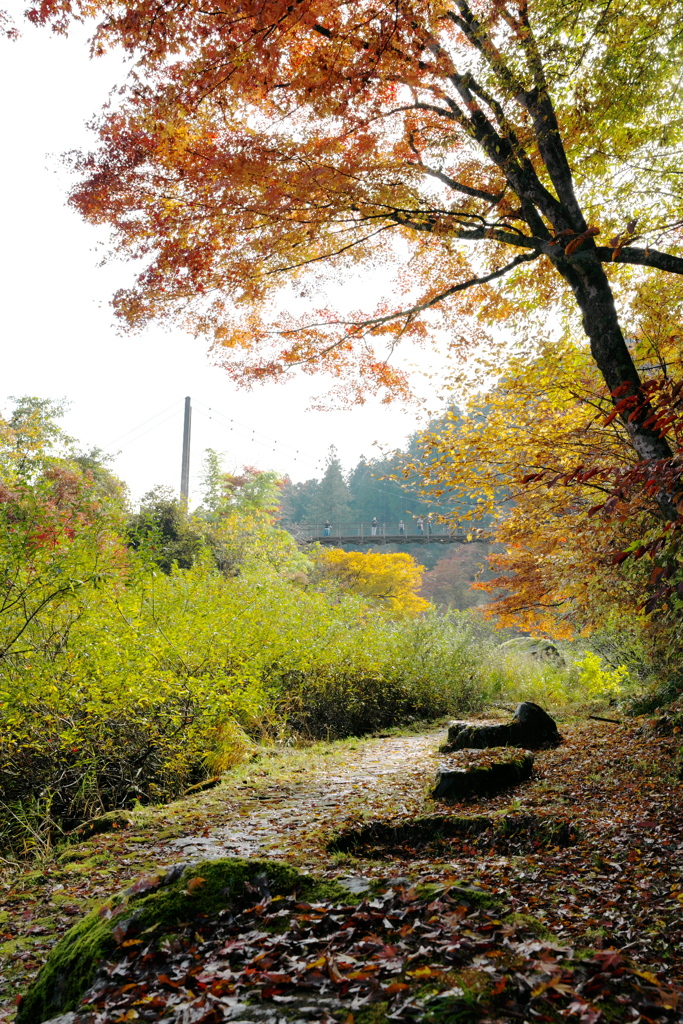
(330, 255)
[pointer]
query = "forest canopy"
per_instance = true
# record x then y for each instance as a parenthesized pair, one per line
(504, 159)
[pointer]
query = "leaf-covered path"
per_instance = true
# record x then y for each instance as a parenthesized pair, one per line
(616, 885)
(292, 814)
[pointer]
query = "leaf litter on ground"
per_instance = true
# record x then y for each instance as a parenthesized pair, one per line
(411, 956)
(617, 890)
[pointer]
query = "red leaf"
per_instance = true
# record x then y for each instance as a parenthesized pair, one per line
(164, 979)
(146, 884)
(120, 931)
(621, 389)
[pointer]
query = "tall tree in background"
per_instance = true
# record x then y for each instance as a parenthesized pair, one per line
(296, 499)
(331, 497)
(264, 142)
(376, 491)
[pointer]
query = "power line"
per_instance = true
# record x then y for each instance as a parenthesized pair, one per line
(269, 443)
(144, 423)
(154, 426)
(280, 444)
(304, 456)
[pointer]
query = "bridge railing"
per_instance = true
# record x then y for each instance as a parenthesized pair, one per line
(409, 528)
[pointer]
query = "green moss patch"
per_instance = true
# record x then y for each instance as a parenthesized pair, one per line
(112, 821)
(161, 901)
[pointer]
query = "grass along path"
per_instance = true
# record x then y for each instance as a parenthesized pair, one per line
(618, 886)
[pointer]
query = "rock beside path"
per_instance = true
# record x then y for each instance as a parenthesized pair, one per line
(472, 775)
(155, 904)
(531, 728)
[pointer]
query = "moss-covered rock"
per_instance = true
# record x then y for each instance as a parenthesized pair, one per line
(500, 831)
(181, 894)
(531, 727)
(534, 830)
(429, 827)
(474, 776)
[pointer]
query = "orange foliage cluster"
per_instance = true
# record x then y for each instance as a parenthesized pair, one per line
(262, 143)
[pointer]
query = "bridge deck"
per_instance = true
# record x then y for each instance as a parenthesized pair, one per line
(401, 538)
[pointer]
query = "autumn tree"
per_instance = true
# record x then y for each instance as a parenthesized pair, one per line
(389, 581)
(545, 460)
(449, 582)
(257, 144)
(61, 518)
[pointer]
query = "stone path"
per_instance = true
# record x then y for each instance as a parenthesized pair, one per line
(381, 777)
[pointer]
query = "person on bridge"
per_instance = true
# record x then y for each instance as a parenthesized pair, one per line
(420, 524)
(401, 527)
(373, 526)
(327, 529)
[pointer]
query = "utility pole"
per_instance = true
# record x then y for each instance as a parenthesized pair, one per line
(185, 471)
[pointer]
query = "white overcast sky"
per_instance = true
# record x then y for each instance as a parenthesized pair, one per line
(58, 335)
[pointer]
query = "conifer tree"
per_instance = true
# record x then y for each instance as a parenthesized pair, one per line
(331, 500)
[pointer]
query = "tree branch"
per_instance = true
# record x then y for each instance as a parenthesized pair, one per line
(641, 258)
(475, 193)
(420, 307)
(538, 105)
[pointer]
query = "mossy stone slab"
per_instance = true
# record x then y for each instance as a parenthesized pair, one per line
(477, 776)
(179, 894)
(531, 728)
(409, 830)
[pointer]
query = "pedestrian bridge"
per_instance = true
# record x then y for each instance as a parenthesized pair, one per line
(337, 534)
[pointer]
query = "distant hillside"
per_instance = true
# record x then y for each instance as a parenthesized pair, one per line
(377, 489)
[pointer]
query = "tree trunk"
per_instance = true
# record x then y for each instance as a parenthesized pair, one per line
(587, 279)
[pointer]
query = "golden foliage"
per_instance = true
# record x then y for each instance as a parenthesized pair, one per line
(389, 581)
(512, 460)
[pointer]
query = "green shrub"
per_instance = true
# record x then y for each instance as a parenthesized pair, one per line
(166, 678)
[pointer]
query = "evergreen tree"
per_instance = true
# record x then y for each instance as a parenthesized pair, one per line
(296, 500)
(374, 494)
(331, 499)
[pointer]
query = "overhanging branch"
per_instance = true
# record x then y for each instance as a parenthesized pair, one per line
(641, 258)
(420, 307)
(475, 193)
